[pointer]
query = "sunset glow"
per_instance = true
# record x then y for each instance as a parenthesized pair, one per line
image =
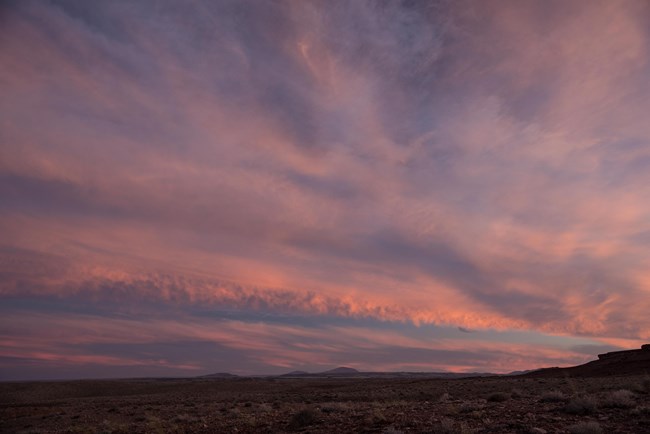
(257, 187)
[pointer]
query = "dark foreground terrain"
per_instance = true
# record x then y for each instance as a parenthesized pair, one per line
(332, 405)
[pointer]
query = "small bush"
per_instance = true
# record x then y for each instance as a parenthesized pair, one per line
(620, 399)
(636, 386)
(376, 416)
(182, 418)
(516, 393)
(553, 396)
(302, 419)
(264, 408)
(498, 397)
(334, 407)
(645, 385)
(447, 426)
(470, 407)
(642, 410)
(585, 428)
(581, 405)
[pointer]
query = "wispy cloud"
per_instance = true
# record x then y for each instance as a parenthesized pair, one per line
(467, 164)
(191, 344)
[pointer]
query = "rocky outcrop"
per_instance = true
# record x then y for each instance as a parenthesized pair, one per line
(643, 353)
(628, 362)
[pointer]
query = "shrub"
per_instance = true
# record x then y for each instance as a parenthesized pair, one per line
(182, 418)
(585, 428)
(553, 396)
(498, 397)
(642, 410)
(334, 407)
(264, 408)
(581, 405)
(376, 416)
(645, 385)
(469, 407)
(447, 426)
(620, 399)
(302, 419)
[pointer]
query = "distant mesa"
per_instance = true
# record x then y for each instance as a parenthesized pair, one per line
(643, 353)
(341, 370)
(220, 375)
(628, 362)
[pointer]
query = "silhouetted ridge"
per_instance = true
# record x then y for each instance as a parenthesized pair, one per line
(627, 362)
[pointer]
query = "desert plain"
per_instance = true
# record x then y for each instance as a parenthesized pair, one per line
(496, 404)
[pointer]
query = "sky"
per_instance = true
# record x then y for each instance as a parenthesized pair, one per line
(258, 187)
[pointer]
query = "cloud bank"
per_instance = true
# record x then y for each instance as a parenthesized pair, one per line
(348, 168)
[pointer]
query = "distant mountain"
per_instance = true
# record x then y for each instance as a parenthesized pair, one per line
(628, 362)
(345, 372)
(293, 373)
(219, 375)
(528, 371)
(341, 370)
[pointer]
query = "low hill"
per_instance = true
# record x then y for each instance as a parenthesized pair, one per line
(344, 372)
(629, 362)
(219, 375)
(341, 370)
(292, 373)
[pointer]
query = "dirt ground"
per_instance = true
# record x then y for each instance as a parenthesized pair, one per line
(266, 405)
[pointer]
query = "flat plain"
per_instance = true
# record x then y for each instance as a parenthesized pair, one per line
(612, 404)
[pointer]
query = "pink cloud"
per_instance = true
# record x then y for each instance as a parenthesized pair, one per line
(273, 345)
(487, 171)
